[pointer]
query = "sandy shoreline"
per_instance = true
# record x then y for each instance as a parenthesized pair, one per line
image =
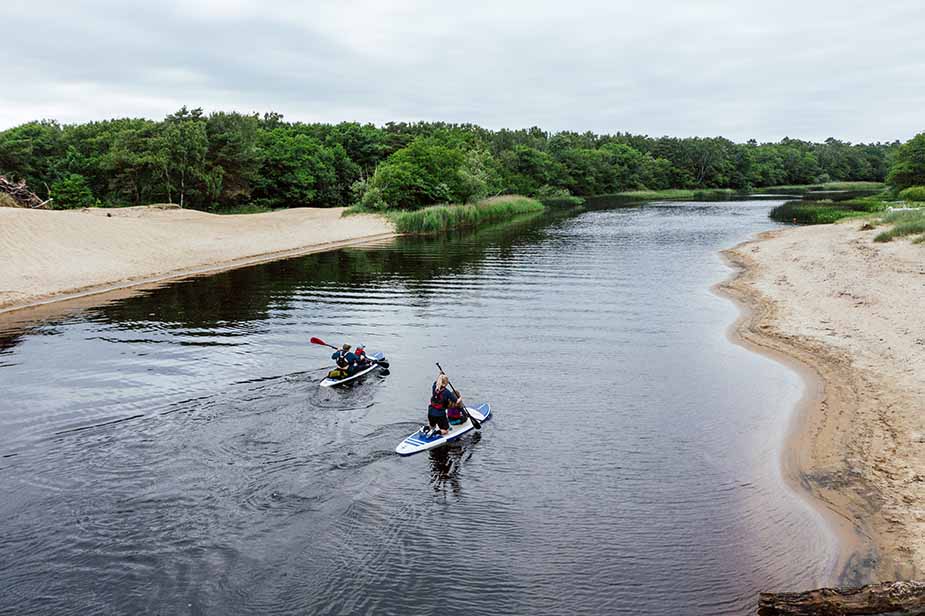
(48, 256)
(847, 312)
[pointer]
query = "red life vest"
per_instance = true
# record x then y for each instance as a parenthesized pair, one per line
(436, 399)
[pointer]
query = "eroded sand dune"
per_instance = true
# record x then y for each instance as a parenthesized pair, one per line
(46, 254)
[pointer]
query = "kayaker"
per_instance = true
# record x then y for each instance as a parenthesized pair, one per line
(362, 360)
(443, 403)
(344, 359)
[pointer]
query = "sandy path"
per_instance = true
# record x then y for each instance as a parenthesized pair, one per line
(49, 255)
(852, 310)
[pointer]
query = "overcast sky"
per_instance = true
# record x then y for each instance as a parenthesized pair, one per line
(809, 69)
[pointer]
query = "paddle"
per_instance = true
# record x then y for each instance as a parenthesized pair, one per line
(322, 343)
(475, 422)
(381, 362)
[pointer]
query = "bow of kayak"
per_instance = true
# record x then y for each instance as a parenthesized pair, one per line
(419, 441)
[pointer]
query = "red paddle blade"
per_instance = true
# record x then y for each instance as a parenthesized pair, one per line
(318, 341)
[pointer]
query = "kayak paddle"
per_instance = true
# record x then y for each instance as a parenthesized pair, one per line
(322, 343)
(475, 422)
(381, 362)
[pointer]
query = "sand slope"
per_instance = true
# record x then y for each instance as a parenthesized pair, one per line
(852, 310)
(44, 254)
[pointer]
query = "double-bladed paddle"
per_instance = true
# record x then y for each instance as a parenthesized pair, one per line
(475, 422)
(381, 362)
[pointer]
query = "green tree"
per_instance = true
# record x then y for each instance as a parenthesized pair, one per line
(232, 161)
(71, 192)
(525, 169)
(423, 173)
(296, 170)
(134, 165)
(478, 175)
(32, 152)
(908, 167)
(184, 144)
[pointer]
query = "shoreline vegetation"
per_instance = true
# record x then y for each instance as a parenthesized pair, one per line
(224, 161)
(441, 218)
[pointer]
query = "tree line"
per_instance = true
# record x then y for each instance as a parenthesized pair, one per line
(226, 160)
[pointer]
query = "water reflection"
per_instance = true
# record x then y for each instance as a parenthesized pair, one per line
(174, 449)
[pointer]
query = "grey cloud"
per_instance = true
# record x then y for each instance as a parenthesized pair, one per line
(804, 69)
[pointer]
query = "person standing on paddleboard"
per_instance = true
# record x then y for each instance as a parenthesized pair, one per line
(442, 404)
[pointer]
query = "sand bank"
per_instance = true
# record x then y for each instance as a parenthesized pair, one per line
(49, 255)
(852, 311)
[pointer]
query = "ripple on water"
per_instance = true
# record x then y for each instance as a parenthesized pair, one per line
(173, 453)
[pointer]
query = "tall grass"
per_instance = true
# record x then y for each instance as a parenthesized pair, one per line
(440, 218)
(905, 223)
(801, 188)
(705, 194)
(824, 212)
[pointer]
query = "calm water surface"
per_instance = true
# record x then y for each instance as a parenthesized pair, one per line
(172, 453)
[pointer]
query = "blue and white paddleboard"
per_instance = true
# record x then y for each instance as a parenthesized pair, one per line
(420, 441)
(329, 382)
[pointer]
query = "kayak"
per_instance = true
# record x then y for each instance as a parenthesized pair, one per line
(420, 441)
(329, 382)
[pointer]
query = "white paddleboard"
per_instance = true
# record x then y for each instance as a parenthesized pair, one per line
(419, 441)
(329, 382)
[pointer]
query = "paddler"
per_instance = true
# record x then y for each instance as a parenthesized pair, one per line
(362, 360)
(444, 405)
(345, 359)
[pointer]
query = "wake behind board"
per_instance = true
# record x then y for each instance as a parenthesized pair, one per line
(419, 441)
(329, 382)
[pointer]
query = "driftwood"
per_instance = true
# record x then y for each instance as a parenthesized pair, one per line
(21, 194)
(886, 599)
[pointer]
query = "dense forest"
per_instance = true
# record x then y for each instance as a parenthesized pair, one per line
(227, 160)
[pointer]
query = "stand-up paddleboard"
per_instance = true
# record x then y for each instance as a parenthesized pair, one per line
(329, 382)
(420, 441)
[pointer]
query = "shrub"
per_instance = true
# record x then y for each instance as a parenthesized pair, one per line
(909, 165)
(913, 193)
(553, 195)
(71, 192)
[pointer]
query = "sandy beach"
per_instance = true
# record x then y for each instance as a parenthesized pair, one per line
(850, 311)
(51, 255)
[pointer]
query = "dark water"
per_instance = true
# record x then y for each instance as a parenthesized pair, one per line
(172, 453)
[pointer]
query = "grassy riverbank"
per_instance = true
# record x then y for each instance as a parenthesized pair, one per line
(440, 218)
(824, 212)
(904, 223)
(797, 189)
(674, 194)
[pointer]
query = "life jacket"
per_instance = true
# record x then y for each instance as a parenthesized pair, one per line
(361, 355)
(341, 359)
(436, 399)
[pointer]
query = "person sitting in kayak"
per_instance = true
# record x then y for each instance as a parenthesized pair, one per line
(443, 405)
(345, 360)
(362, 360)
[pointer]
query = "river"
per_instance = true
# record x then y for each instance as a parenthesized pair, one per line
(171, 452)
